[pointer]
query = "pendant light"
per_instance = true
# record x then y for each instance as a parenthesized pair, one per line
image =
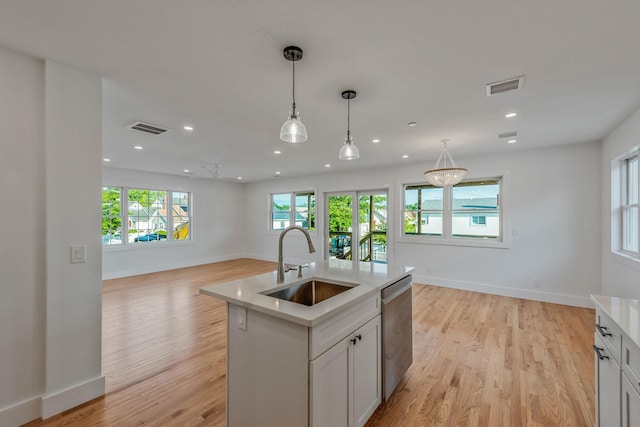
(445, 176)
(293, 130)
(349, 151)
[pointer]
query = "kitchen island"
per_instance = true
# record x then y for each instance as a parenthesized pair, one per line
(305, 365)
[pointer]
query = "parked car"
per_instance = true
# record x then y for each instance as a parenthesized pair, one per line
(156, 235)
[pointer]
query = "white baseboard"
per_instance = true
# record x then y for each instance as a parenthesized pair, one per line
(535, 295)
(153, 268)
(21, 413)
(61, 401)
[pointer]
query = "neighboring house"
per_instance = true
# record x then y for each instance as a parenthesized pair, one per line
(281, 220)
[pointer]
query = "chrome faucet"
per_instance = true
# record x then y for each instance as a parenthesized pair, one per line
(280, 258)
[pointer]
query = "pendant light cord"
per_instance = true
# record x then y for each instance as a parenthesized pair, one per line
(293, 91)
(348, 120)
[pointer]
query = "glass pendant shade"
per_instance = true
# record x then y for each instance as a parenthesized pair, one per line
(445, 176)
(349, 150)
(293, 130)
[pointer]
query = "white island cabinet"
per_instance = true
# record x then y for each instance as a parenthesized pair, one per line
(291, 364)
(345, 380)
(617, 361)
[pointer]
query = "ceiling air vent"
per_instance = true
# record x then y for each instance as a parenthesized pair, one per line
(508, 134)
(146, 127)
(505, 86)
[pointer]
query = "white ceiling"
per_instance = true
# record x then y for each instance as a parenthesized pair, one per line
(218, 66)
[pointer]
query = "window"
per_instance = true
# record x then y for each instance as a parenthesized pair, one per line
(293, 209)
(630, 195)
(111, 215)
(423, 207)
(475, 203)
(150, 215)
(467, 211)
(478, 220)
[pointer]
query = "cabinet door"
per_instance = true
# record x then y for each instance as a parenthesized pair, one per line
(330, 387)
(366, 390)
(630, 404)
(607, 387)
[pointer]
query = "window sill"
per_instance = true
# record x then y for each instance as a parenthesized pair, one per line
(627, 260)
(480, 243)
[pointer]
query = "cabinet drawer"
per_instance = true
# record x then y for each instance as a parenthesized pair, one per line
(329, 332)
(631, 362)
(610, 333)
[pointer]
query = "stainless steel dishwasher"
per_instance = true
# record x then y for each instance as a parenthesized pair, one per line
(397, 334)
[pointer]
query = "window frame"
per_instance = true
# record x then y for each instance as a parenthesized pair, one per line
(124, 219)
(292, 210)
(446, 238)
(620, 205)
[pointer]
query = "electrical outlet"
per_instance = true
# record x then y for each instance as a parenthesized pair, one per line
(241, 318)
(429, 270)
(536, 283)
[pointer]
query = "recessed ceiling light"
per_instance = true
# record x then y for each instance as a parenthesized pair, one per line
(277, 152)
(412, 123)
(107, 160)
(137, 147)
(375, 141)
(188, 128)
(512, 141)
(187, 171)
(510, 115)
(327, 165)
(239, 178)
(277, 172)
(405, 156)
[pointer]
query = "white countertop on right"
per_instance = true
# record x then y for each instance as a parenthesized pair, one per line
(624, 311)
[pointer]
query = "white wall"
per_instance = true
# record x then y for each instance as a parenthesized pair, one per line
(552, 197)
(619, 277)
(50, 310)
(217, 229)
(73, 148)
(22, 254)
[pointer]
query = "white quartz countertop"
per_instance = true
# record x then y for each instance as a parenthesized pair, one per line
(624, 311)
(370, 277)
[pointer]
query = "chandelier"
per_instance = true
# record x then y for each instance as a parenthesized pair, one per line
(446, 175)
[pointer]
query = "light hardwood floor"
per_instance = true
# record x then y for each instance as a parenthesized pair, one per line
(479, 360)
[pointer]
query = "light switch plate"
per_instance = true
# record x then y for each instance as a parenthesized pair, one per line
(78, 254)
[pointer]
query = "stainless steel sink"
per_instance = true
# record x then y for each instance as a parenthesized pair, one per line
(310, 292)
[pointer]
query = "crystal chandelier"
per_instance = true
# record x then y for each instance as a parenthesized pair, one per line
(446, 175)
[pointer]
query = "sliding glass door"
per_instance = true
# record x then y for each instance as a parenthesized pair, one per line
(356, 232)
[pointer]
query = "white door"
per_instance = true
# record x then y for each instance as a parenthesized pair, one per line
(356, 226)
(607, 386)
(630, 404)
(366, 390)
(330, 387)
